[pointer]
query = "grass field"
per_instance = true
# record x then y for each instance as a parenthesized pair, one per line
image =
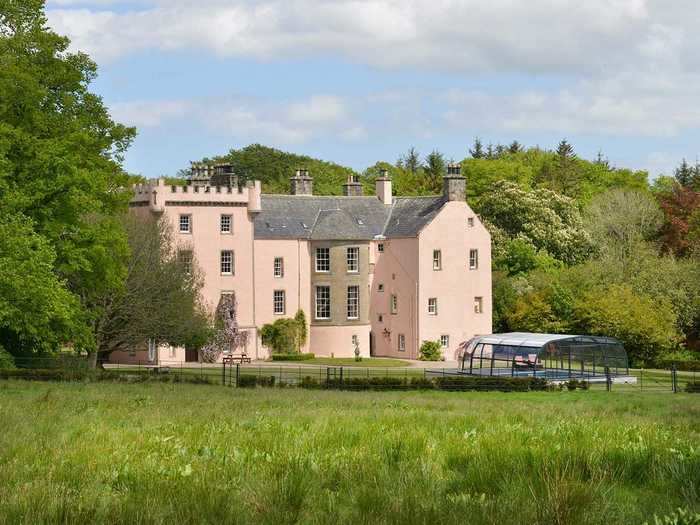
(164, 453)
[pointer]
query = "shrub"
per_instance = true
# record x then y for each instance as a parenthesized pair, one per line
(6, 360)
(503, 384)
(693, 387)
(292, 357)
(421, 383)
(571, 385)
(684, 366)
(366, 383)
(309, 382)
(584, 385)
(249, 381)
(430, 351)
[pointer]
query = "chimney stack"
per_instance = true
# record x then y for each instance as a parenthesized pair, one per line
(383, 188)
(302, 183)
(453, 184)
(353, 187)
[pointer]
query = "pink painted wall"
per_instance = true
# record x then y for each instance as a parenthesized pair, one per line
(455, 286)
(295, 282)
(397, 269)
(337, 340)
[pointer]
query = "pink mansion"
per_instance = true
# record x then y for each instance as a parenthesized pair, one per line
(383, 272)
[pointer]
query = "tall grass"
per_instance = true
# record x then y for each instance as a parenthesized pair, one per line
(159, 453)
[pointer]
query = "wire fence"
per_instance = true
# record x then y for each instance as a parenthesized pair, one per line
(346, 377)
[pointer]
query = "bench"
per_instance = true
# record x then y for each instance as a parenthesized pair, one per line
(239, 358)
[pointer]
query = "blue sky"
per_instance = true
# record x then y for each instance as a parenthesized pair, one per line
(357, 81)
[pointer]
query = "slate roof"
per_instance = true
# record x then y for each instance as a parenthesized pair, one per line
(342, 218)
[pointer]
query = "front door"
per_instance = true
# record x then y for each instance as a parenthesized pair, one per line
(191, 355)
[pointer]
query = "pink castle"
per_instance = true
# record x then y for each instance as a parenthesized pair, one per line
(382, 272)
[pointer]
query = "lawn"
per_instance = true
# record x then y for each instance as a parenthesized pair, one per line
(176, 453)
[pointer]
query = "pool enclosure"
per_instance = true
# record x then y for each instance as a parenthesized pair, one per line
(553, 356)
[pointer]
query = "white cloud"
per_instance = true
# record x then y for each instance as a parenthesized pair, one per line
(148, 114)
(537, 35)
(250, 119)
(604, 67)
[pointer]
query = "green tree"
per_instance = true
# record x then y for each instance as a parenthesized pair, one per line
(434, 169)
(60, 172)
(684, 174)
(477, 151)
(302, 329)
(645, 325)
(547, 221)
(410, 161)
(621, 221)
(37, 312)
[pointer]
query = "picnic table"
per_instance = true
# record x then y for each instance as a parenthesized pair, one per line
(236, 358)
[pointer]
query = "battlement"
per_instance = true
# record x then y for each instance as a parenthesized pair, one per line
(156, 194)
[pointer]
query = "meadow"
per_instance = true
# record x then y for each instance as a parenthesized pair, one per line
(178, 453)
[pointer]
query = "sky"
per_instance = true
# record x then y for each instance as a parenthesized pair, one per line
(359, 81)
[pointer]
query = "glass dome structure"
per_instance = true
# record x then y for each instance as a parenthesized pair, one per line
(553, 356)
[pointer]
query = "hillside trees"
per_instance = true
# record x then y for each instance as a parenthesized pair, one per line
(549, 223)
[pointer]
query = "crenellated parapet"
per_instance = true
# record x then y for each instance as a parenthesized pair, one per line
(156, 194)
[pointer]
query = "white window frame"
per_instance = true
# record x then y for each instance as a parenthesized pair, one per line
(445, 341)
(380, 247)
(323, 302)
(185, 258)
(352, 259)
(279, 302)
(278, 267)
(394, 304)
(353, 302)
(470, 222)
(231, 263)
(185, 219)
(478, 305)
(402, 343)
(432, 306)
(226, 230)
(437, 260)
(473, 259)
(323, 268)
(380, 287)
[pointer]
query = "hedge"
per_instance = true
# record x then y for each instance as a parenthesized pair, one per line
(449, 383)
(683, 366)
(132, 376)
(292, 357)
(693, 387)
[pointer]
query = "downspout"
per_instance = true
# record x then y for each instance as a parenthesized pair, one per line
(255, 320)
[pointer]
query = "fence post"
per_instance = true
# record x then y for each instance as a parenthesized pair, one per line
(641, 380)
(608, 379)
(238, 373)
(223, 373)
(674, 378)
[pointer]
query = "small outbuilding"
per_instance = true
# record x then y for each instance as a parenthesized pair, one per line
(552, 356)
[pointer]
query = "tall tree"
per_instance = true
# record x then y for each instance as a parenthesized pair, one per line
(411, 161)
(159, 299)
(477, 151)
(60, 155)
(434, 170)
(620, 221)
(684, 174)
(515, 147)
